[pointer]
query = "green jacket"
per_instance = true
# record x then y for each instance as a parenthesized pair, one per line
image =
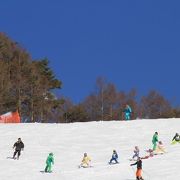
(50, 159)
(155, 139)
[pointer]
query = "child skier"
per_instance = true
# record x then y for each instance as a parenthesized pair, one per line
(150, 154)
(155, 140)
(127, 112)
(136, 153)
(19, 145)
(49, 162)
(139, 169)
(85, 163)
(160, 148)
(114, 157)
(176, 139)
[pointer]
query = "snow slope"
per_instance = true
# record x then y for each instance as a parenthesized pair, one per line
(68, 142)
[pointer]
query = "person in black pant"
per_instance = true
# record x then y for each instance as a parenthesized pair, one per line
(19, 145)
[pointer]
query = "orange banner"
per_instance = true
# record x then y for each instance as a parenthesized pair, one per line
(10, 117)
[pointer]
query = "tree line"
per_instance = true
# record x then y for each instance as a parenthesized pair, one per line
(28, 85)
(108, 103)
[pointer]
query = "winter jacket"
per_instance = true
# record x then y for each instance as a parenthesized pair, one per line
(86, 160)
(18, 146)
(50, 159)
(155, 139)
(128, 110)
(176, 137)
(138, 163)
(114, 156)
(136, 151)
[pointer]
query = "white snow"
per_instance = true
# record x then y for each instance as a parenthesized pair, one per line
(68, 142)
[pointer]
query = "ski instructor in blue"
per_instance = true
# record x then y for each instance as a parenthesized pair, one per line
(127, 112)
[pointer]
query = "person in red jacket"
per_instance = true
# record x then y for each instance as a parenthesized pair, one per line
(139, 169)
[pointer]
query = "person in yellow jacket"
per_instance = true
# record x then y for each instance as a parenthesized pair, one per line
(160, 148)
(86, 161)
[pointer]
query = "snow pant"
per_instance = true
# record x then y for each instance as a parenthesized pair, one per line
(113, 159)
(127, 116)
(135, 155)
(139, 173)
(48, 167)
(17, 152)
(154, 146)
(174, 142)
(84, 165)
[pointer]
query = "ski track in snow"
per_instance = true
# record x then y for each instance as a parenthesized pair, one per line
(68, 142)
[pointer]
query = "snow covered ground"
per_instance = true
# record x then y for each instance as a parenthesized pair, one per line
(68, 142)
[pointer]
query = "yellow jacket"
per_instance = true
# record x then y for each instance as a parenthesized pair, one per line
(86, 160)
(159, 149)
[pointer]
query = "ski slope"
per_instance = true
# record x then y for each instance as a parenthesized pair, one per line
(68, 142)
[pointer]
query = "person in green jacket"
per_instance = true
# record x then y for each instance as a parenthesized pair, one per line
(155, 140)
(49, 162)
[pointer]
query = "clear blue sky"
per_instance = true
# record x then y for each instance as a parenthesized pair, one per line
(134, 44)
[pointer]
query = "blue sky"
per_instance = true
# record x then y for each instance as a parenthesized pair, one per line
(134, 44)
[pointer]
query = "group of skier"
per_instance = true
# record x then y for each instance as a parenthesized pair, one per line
(139, 159)
(86, 161)
(157, 148)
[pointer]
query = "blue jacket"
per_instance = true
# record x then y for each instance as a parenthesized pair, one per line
(128, 110)
(114, 156)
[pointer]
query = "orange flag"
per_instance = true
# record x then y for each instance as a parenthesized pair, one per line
(10, 117)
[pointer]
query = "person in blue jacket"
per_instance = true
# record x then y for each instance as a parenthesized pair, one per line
(114, 158)
(127, 112)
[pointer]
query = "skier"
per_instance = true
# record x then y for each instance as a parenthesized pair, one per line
(49, 162)
(127, 112)
(150, 154)
(139, 169)
(136, 153)
(114, 157)
(19, 145)
(155, 140)
(85, 163)
(160, 148)
(176, 139)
